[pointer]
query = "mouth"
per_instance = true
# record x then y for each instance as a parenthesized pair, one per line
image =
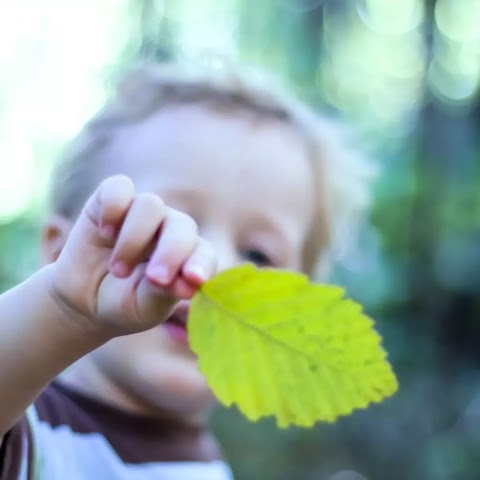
(176, 324)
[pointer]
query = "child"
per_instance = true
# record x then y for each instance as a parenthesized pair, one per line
(179, 175)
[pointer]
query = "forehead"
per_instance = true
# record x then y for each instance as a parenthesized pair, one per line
(235, 156)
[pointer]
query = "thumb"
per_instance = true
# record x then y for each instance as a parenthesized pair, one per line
(88, 247)
(106, 209)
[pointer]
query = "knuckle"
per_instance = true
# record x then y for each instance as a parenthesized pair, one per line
(151, 200)
(206, 248)
(114, 195)
(186, 222)
(207, 258)
(116, 181)
(106, 182)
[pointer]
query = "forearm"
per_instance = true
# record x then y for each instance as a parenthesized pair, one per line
(38, 340)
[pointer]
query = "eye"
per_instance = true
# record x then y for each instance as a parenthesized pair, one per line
(258, 257)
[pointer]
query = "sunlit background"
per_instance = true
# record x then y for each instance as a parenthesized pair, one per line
(405, 75)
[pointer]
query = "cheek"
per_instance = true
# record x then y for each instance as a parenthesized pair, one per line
(165, 378)
(148, 360)
(128, 350)
(297, 263)
(297, 241)
(155, 376)
(316, 245)
(118, 357)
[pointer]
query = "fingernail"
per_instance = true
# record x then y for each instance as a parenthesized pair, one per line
(197, 271)
(158, 273)
(119, 269)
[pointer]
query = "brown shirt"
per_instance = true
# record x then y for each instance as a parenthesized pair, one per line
(69, 435)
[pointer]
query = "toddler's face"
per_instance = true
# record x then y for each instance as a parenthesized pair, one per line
(248, 184)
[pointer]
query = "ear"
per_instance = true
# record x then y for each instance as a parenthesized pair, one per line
(55, 232)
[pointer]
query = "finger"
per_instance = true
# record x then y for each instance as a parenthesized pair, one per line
(153, 304)
(181, 289)
(201, 265)
(142, 222)
(134, 304)
(107, 207)
(178, 239)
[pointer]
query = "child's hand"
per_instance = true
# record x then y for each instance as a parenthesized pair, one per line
(128, 259)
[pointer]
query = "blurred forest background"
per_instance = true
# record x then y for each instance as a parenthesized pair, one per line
(405, 74)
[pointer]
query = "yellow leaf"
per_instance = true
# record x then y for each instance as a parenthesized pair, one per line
(275, 344)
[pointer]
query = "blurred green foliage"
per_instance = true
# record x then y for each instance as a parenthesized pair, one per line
(405, 73)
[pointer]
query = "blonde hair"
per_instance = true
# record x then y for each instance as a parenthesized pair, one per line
(342, 176)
